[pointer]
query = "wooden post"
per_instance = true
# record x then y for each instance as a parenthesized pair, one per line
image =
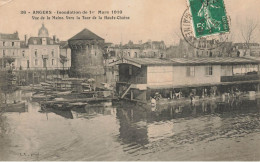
(132, 95)
(27, 76)
(33, 77)
(38, 76)
(45, 75)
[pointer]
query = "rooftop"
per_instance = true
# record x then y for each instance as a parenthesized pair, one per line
(13, 36)
(189, 61)
(86, 34)
(38, 41)
(214, 60)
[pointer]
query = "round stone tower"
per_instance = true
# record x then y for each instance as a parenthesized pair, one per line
(86, 54)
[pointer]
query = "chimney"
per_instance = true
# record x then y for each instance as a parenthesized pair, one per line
(54, 38)
(16, 34)
(26, 40)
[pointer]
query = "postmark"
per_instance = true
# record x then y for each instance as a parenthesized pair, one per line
(203, 43)
(209, 17)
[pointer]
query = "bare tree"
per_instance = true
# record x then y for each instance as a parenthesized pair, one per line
(63, 60)
(248, 31)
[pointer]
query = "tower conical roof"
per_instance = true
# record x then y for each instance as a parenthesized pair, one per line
(86, 34)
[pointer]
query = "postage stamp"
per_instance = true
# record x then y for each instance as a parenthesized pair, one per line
(209, 17)
(203, 43)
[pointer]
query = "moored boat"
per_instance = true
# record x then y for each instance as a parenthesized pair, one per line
(14, 107)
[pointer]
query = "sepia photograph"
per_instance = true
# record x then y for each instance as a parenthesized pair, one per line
(129, 80)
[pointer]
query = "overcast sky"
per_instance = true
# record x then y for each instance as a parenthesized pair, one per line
(149, 19)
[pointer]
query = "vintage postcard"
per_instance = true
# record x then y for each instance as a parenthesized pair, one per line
(129, 80)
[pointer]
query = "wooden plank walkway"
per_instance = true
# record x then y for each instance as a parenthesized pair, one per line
(78, 100)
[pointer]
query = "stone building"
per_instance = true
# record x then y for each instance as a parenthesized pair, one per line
(45, 52)
(87, 54)
(149, 49)
(184, 49)
(9, 47)
(250, 49)
(24, 58)
(255, 51)
(37, 53)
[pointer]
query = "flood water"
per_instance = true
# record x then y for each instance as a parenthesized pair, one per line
(205, 130)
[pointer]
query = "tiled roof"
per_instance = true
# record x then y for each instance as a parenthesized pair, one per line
(150, 61)
(13, 36)
(64, 44)
(213, 60)
(38, 41)
(23, 44)
(131, 46)
(86, 34)
(194, 61)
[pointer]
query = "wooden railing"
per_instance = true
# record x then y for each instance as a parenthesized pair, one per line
(240, 78)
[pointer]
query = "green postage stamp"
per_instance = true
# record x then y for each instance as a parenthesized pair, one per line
(209, 17)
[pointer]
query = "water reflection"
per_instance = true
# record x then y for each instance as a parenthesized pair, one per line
(187, 123)
(64, 114)
(133, 126)
(134, 133)
(89, 112)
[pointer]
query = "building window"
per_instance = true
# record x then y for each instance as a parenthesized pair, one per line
(44, 52)
(209, 70)
(3, 52)
(130, 70)
(12, 43)
(52, 62)
(44, 42)
(3, 43)
(128, 53)
(35, 53)
(28, 64)
(13, 53)
(36, 62)
(23, 53)
(52, 53)
(190, 71)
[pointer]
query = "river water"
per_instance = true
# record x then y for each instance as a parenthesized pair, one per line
(205, 130)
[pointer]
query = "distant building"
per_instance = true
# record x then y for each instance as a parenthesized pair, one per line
(255, 51)
(250, 49)
(24, 56)
(172, 52)
(87, 54)
(186, 50)
(149, 49)
(9, 47)
(65, 51)
(42, 52)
